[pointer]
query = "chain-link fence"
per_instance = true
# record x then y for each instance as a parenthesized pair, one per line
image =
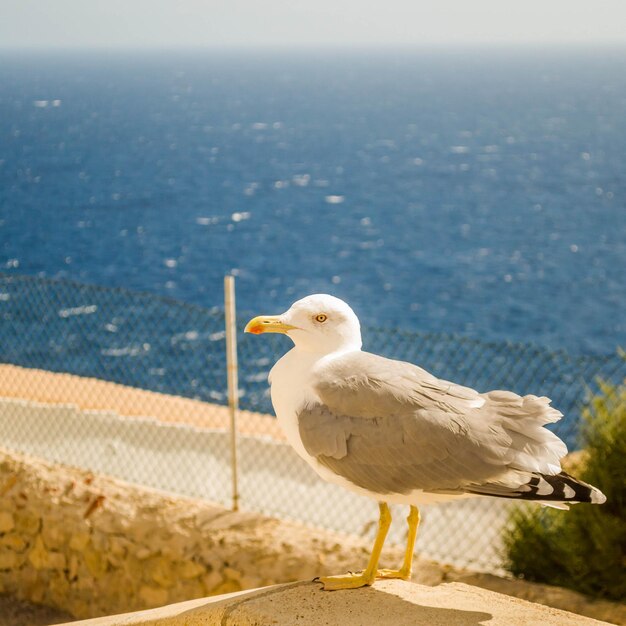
(134, 385)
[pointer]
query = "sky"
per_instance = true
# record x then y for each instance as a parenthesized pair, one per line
(279, 23)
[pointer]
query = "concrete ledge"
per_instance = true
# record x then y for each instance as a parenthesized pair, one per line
(387, 602)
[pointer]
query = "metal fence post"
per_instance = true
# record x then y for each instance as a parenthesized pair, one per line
(232, 375)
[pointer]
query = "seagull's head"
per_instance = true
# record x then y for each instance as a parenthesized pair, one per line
(317, 323)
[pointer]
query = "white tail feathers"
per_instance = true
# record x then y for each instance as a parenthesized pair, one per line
(533, 447)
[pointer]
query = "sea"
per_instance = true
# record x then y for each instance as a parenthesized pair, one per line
(472, 191)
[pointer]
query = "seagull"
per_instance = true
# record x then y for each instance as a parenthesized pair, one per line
(393, 432)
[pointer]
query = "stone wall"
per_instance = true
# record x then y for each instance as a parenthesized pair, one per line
(93, 545)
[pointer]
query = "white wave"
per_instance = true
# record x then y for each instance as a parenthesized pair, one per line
(189, 335)
(239, 216)
(133, 350)
(370, 245)
(86, 309)
(261, 377)
(207, 221)
(335, 199)
(250, 189)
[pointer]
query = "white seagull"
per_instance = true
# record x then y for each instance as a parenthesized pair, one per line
(393, 432)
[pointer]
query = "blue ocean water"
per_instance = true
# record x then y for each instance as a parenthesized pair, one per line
(474, 192)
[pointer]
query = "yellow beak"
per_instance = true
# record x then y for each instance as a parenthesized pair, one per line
(267, 324)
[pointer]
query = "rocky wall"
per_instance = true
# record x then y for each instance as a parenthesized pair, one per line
(92, 545)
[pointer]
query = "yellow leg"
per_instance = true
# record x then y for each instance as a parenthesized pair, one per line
(405, 571)
(368, 576)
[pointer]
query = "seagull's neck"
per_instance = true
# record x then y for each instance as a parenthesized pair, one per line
(299, 362)
(308, 354)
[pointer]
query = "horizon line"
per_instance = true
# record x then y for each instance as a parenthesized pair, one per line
(536, 46)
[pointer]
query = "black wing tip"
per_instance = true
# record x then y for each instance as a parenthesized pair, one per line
(553, 488)
(583, 492)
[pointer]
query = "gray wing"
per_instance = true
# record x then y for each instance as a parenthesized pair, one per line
(368, 385)
(394, 454)
(391, 427)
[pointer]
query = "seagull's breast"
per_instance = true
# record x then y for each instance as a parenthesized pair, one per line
(291, 388)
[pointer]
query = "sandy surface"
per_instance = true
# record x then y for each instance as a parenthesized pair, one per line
(91, 393)
(387, 602)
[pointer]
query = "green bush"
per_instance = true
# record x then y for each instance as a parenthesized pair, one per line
(584, 548)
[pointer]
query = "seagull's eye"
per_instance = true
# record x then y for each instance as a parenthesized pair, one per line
(321, 318)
